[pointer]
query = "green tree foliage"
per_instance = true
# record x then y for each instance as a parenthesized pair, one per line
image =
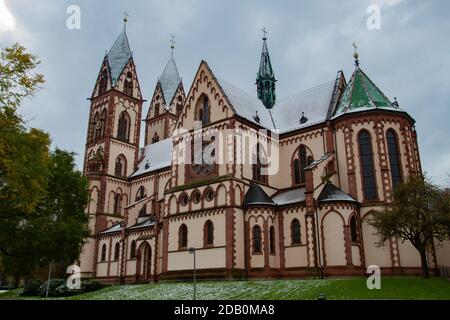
(42, 194)
(419, 213)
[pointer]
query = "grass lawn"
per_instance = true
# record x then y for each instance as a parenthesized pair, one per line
(347, 288)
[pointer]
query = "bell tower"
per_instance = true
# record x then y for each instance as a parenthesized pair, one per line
(265, 78)
(112, 142)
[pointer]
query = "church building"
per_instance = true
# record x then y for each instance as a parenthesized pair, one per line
(325, 160)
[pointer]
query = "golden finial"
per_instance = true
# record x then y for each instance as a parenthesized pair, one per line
(355, 54)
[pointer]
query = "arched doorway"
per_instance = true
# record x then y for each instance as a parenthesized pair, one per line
(144, 263)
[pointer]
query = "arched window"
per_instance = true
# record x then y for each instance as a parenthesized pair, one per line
(179, 105)
(301, 161)
(116, 251)
(394, 160)
(128, 85)
(296, 171)
(368, 174)
(295, 232)
(257, 166)
(155, 138)
(141, 193)
(103, 83)
(123, 129)
(156, 109)
(121, 166)
(353, 229)
(257, 239)
(182, 237)
(103, 255)
(143, 210)
(208, 232)
(103, 123)
(272, 239)
(97, 126)
(203, 110)
(133, 249)
(117, 206)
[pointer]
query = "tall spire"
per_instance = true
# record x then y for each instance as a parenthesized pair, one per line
(265, 78)
(170, 78)
(120, 53)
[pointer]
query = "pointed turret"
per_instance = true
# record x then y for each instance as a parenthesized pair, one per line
(361, 94)
(265, 78)
(169, 80)
(119, 54)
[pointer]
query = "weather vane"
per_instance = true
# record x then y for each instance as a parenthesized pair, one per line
(264, 33)
(356, 55)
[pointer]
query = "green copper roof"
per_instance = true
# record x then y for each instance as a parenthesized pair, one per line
(361, 93)
(265, 79)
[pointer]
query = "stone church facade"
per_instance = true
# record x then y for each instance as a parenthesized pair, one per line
(340, 148)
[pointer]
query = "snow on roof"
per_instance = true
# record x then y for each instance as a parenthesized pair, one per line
(115, 228)
(313, 102)
(289, 196)
(157, 155)
(246, 105)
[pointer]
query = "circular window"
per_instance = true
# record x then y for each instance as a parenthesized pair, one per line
(196, 197)
(184, 199)
(209, 195)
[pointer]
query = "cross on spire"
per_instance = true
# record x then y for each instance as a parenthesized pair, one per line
(125, 20)
(264, 33)
(172, 42)
(356, 54)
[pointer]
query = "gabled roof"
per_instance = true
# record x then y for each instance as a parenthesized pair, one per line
(157, 156)
(169, 80)
(362, 94)
(256, 196)
(286, 113)
(331, 193)
(118, 56)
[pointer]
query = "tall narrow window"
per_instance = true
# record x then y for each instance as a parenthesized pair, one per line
(120, 166)
(97, 126)
(123, 129)
(116, 251)
(208, 233)
(182, 237)
(179, 105)
(394, 160)
(133, 249)
(258, 166)
(103, 83)
(368, 174)
(117, 206)
(272, 240)
(128, 85)
(353, 229)
(205, 118)
(301, 161)
(141, 193)
(156, 110)
(295, 232)
(257, 239)
(103, 123)
(103, 255)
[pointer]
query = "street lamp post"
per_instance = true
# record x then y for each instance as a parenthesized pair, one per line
(192, 251)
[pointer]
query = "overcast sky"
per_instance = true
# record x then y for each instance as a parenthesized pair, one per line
(309, 41)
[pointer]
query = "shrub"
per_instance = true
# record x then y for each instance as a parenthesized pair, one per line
(54, 284)
(32, 287)
(90, 285)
